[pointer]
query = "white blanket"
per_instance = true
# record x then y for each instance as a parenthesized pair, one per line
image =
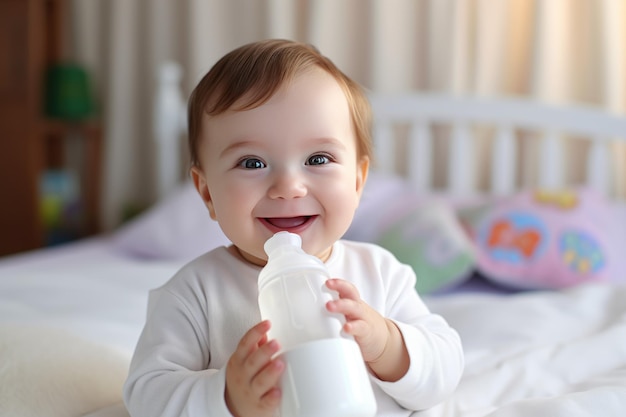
(540, 353)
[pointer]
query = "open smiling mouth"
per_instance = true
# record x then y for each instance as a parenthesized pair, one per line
(292, 224)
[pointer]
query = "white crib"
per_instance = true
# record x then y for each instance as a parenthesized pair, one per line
(409, 127)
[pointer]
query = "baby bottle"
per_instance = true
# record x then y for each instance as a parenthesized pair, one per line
(325, 375)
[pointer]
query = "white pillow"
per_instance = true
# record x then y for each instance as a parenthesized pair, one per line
(179, 227)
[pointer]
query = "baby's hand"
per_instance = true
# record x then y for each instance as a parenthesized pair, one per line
(252, 376)
(379, 338)
(367, 326)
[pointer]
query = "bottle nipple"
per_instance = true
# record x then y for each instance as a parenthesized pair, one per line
(282, 239)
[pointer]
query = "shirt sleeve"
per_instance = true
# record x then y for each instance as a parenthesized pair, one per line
(436, 365)
(168, 375)
(435, 349)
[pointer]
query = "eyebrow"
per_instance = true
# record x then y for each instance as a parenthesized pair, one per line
(329, 141)
(234, 146)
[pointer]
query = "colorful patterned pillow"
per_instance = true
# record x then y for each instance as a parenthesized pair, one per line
(431, 240)
(542, 239)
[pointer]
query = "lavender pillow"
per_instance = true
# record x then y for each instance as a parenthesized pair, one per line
(179, 227)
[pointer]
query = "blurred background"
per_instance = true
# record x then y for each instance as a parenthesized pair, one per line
(559, 51)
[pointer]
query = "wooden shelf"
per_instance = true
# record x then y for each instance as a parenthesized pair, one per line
(30, 40)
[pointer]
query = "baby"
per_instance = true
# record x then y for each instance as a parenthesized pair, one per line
(280, 141)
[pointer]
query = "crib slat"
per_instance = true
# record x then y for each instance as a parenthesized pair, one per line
(460, 169)
(544, 161)
(551, 160)
(503, 162)
(420, 156)
(384, 145)
(599, 166)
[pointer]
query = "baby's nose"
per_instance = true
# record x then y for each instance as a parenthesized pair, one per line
(287, 185)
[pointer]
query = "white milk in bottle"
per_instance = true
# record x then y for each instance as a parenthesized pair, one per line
(325, 375)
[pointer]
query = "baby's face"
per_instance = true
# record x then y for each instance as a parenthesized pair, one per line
(289, 164)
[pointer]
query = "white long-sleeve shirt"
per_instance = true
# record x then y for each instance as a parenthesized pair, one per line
(196, 320)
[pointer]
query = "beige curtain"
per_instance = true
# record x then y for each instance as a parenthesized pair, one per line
(552, 50)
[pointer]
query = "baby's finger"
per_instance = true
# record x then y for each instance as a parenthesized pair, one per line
(357, 328)
(351, 309)
(250, 341)
(262, 356)
(344, 288)
(265, 382)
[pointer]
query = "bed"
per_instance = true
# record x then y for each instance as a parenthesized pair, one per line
(525, 260)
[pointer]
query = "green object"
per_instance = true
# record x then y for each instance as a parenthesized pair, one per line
(67, 92)
(431, 241)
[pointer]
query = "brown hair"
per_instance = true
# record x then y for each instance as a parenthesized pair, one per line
(258, 70)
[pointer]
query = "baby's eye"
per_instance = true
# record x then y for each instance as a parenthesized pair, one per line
(319, 159)
(251, 163)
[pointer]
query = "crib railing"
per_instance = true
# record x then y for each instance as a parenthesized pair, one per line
(408, 127)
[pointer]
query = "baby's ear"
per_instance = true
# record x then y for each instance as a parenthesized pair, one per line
(199, 181)
(362, 169)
